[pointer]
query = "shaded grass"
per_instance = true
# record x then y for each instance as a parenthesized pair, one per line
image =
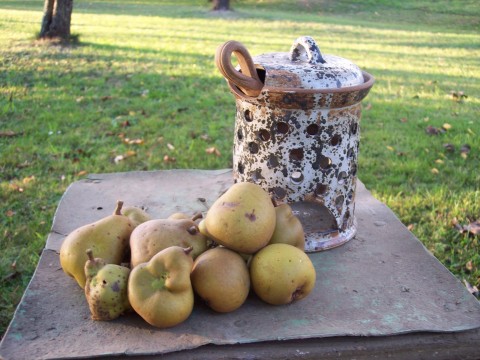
(144, 71)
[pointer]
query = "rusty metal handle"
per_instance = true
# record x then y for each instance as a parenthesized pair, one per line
(247, 80)
(306, 47)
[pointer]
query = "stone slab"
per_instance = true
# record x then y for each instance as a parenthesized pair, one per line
(382, 291)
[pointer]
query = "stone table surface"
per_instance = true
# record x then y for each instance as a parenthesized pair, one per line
(380, 294)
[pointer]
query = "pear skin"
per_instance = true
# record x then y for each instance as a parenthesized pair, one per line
(242, 219)
(107, 237)
(288, 228)
(155, 235)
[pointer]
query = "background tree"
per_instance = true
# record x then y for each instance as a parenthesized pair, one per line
(221, 5)
(56, 20)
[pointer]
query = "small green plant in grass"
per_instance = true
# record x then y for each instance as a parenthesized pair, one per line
(141, 92)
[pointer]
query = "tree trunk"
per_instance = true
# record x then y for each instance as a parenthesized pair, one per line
(221, 5)
(57, 15)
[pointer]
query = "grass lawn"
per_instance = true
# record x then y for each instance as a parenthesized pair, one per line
(141, 92)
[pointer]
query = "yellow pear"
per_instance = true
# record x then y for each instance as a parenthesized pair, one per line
(160, 290)
(281, 274)
(242, 219)
(108, 239)
(220, 277)
(152, 236)
(288, 228)
(137, 215)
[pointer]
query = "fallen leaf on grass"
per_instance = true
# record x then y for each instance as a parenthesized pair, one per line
(446, 126)
(9, 133)
(9, 213)
(133, 141)
(410, 227)
(169, 159)
(431, 130)
(434, 171)
(471, 289)
(105, 98)
(449, 147)
(404, 120)
(458, 95)
(473, 228)
(212, 150)
(81, 173)
(122, 157)
(390, 148)
(170, 147)
(469, 265)
(464, 150)
(15, 187)
(28, 179)
(439, 161)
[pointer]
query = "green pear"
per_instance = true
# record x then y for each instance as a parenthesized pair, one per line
(106, 288)
(155, 235)
(281, 274)
(242, 219)
(108, 239)
(220, 277)
(160, 290)
(136, 215)
(288, 228)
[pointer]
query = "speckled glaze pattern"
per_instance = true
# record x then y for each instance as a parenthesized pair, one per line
(303, 146)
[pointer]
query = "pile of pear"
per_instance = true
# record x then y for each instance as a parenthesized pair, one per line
(159, 268)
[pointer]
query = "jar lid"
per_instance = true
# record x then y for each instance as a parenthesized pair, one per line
(304, 67)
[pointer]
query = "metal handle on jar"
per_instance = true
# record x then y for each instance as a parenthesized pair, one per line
(305, 46)
(247, 80)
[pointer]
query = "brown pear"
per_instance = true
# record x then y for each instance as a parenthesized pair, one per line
(155, 235)
(220, 277)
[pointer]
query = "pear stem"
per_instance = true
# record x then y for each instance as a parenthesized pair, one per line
(90, 254)
(197, 216)
(193, 230)
(118, 209)
(274, 201)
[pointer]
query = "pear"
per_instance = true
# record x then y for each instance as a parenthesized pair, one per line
(160, 290)
(220, 277)
(106, 288)
(155, 235)
(242, 219)
(108, 239)
(136, 215)
(182, 216)
(281, 274)
(288, 228)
